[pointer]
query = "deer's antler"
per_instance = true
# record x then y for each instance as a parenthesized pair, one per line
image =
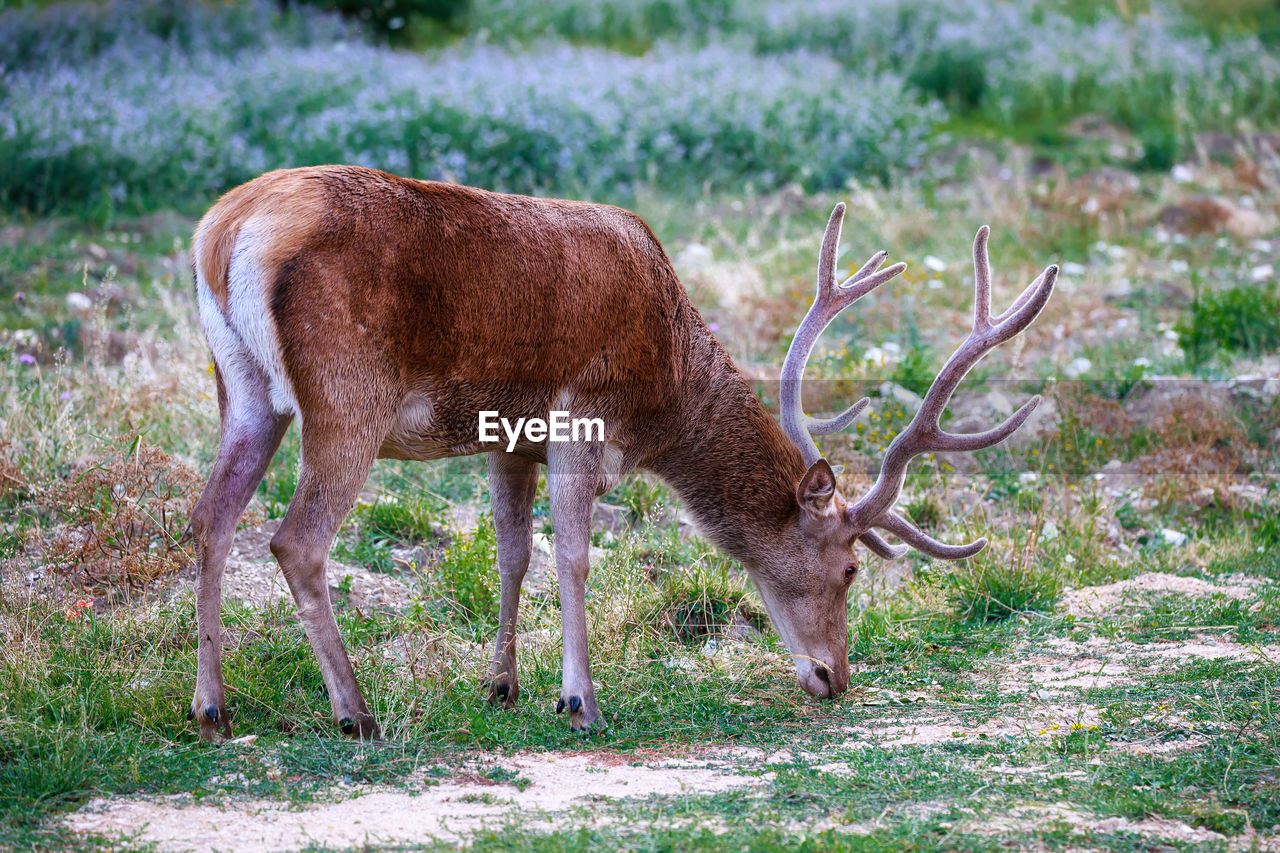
(925, 435)
(831, 299)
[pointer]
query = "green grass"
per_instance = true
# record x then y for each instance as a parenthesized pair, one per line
(1244, 319)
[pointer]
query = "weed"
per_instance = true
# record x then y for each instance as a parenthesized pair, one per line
(1092, 430)
(281, 480)
(993, 587)
(413, 519)
(701, 599)
(1198, 445)
(1241, 319)
(467, 585)
(915, 370)
(640, 493)
(123, 516)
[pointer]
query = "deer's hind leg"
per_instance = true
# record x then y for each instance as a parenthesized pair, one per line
(251, 433)
(513, 481)
(336, 458)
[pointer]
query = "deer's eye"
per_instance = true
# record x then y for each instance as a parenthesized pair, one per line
(849, 572)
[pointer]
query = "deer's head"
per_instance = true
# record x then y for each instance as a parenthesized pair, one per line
(806, 591)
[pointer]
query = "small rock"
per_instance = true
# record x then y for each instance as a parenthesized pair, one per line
(1176, 538)
(1262, 272)
(935, 264)
(79, 303)
(1078, 367)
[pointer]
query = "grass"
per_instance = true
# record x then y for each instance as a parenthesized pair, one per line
(1243, 319)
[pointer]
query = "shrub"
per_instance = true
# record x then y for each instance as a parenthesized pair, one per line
(563, 119)
(394, 17)
(1025, 66)
(77, 30)
(123, 517)
(628, 24)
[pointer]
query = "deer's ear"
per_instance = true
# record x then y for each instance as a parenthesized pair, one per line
(817, 489)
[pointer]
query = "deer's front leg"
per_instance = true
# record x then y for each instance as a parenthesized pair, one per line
(513, 481)
(572, 476)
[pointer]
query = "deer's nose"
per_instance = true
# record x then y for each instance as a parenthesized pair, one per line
(823, 681)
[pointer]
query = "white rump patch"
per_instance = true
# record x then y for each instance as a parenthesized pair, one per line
(247, 301)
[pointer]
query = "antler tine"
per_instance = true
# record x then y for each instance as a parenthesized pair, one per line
(876, 545)
(827, 426)
(925, 435)
(981, 280)
(925, 544)
(830, 300)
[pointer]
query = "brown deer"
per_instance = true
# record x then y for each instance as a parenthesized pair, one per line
(386, 313)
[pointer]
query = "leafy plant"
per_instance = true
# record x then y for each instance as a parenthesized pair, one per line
(467, 585)
(1241, 319)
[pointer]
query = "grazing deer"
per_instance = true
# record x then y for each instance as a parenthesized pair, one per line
(386, 313)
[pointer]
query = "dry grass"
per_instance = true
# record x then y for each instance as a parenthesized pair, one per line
(120, 519)
(1199, 451)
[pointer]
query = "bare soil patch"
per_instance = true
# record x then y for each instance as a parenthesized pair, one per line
(449, 810)
(933, 728)
(253, 576)
(1098, 600)
(1030, 817)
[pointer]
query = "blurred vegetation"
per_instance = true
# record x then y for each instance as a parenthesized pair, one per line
(1244, 319)
(129, 105)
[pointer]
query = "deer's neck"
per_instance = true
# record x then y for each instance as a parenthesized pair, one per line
(728, 460)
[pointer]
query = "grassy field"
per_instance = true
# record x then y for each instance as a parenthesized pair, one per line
(1103, 676)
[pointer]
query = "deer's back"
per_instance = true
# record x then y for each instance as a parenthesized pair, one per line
(447, 298)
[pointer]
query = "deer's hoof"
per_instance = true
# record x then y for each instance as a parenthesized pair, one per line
(361, 726)
(503, 692)
(584, 716)
(214, 722)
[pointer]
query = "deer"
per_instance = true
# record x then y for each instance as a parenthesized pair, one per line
(384, 313)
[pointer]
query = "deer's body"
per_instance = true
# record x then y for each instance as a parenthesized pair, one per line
(386, 313)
